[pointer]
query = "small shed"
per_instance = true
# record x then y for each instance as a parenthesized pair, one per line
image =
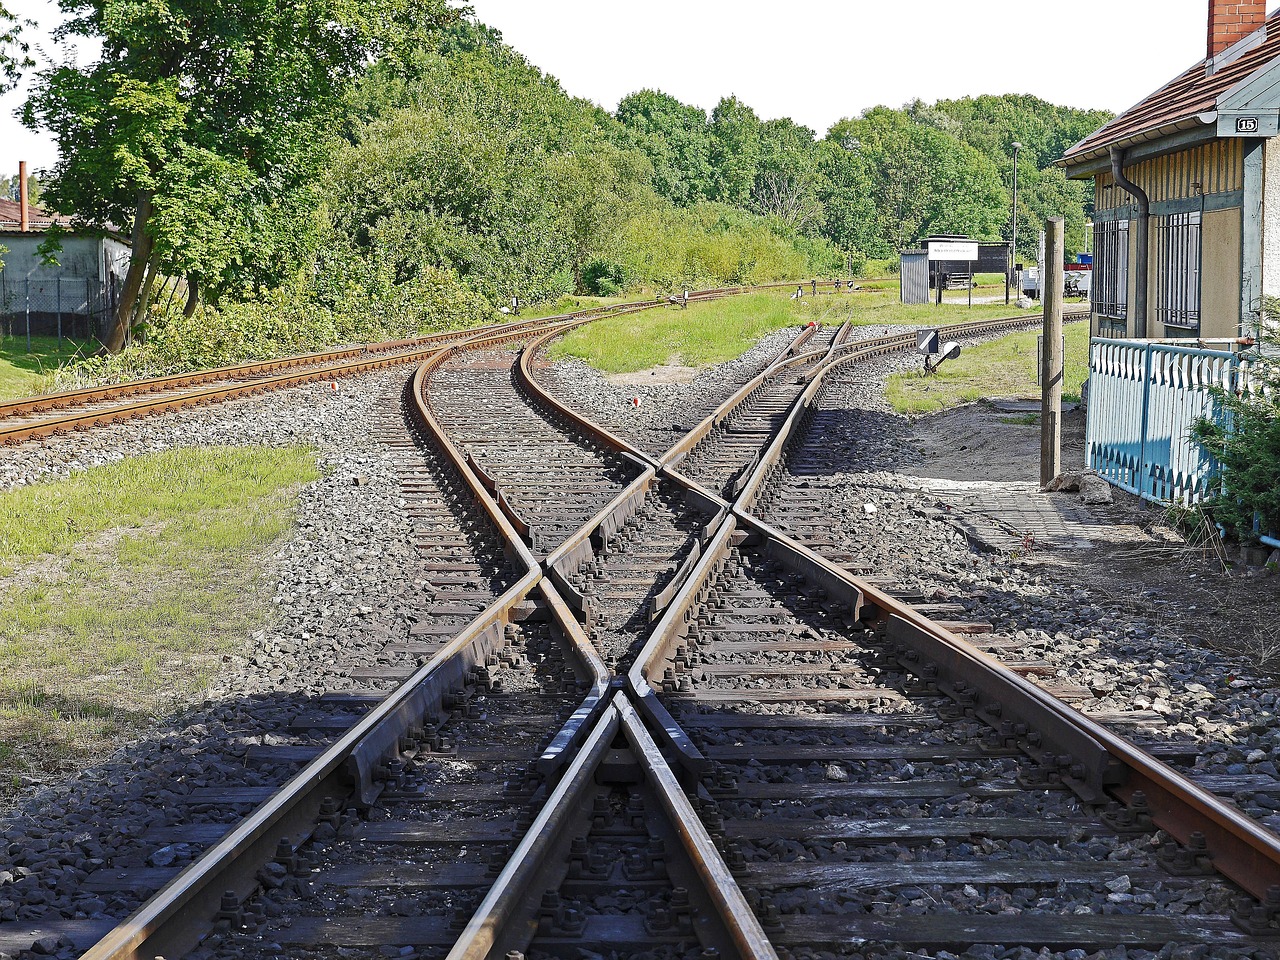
(75, 295)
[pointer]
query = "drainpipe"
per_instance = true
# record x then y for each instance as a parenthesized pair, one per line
(1144, 249)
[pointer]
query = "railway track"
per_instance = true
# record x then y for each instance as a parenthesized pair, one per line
(30, 418)
(680, 732)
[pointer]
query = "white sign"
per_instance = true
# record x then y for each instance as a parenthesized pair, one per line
(954, 250)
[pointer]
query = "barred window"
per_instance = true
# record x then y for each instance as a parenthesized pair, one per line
(1178, 274)
(1111, 269)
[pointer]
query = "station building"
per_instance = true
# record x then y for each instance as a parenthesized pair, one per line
(1187, 191)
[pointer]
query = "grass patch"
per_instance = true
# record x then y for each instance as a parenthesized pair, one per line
(25, 374)
(716, 331)
(123, 586)
(570, 304)
(1000, 368)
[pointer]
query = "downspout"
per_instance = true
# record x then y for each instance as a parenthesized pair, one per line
(1144, 248)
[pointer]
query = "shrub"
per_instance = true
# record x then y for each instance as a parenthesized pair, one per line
(287, 320)
(1245, 438)
(603, 278)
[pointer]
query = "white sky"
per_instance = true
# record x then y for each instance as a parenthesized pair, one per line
(815, 61)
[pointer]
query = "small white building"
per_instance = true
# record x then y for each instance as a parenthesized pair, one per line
(79, 289)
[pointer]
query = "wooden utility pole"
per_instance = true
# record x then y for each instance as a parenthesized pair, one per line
(1051, 353)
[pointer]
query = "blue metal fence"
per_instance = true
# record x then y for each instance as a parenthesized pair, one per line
(1144, 401)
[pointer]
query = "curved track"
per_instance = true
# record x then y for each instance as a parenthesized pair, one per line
(768, 748)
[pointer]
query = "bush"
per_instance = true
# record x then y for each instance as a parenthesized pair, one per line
(712, 244)
(880, 268)
(1245, 438)
(288, 320)
(603, 278)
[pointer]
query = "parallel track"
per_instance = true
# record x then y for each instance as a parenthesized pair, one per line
(629, 853)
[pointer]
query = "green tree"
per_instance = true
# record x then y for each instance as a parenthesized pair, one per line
(788, 183)
(9, 187)
(847, 196)
(14, 49)
(594, 193)
(675, 138)
(178, 138)
(735, 152)
(923, 181)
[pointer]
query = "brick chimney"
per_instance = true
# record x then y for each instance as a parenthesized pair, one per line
(24, 216)
(1231, 21)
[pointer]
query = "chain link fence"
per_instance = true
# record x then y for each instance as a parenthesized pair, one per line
(75, 307)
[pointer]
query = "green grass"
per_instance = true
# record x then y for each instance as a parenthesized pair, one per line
(123, 586)
(1000, 368)
(24, 374)
(571, 304)
(713, 332)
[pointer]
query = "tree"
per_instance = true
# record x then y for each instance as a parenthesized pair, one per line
(735, 152)
(923, 181)
(594, 193)
(197, 112)
(14, 50)
(846, 194)
(9, 187)
(787, 181)
(675, 138)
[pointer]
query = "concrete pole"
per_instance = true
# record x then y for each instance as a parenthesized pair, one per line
(1051, 354)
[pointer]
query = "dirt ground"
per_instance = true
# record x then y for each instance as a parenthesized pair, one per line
(660, 376)
(1141, 557)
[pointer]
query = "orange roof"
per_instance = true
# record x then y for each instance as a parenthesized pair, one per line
(1178, 104)
(38, 218)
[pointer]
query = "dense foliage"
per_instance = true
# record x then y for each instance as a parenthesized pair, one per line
(187, 141)
(340, 170)
(878, 182)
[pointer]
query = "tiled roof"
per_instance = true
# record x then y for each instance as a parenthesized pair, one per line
(1181, 100)
(38, 218)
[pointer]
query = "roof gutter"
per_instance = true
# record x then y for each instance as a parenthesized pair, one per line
(1144, 145)
(1144, 249)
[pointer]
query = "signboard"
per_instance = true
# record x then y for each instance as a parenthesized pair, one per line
(954, 250)
(1260, 125)
(927, 341)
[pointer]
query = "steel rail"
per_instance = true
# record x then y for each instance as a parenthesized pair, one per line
(341, 362)
(165, 921)
(65, 398)
(504, 920)
(1104, 764)
(80, 420)
(173, 920)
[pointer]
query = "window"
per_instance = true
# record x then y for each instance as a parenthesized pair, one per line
(1111, 269)
(1178, 273)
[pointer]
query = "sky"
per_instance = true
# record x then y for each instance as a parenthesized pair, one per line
(815, 61)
